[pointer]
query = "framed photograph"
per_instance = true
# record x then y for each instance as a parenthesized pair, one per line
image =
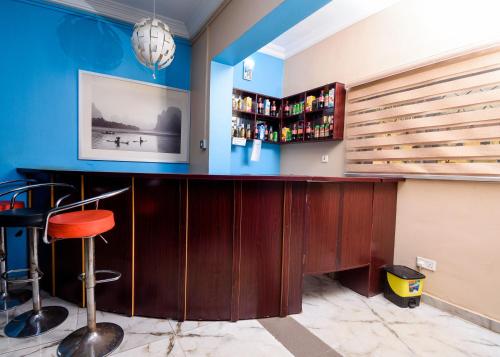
(126, 120)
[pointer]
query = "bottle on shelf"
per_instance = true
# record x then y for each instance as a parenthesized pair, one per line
(260, 106)
(248, 132)
(273, 109)
(242, 131)
(300, 131)
(266, 133)
(321, 100)
(256, 132)
(308, 131)
(331, 98)
(287, 109)
(330, 126)
(316, 131)
(275, 136)
(271, 134)
(294, 132)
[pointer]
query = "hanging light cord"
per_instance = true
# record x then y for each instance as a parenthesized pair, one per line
(151, 29)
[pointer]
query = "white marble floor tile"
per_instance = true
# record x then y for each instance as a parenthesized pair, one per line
(139, 331)
(162, 348)
(8, 345)
(243, 339)
(356, 326)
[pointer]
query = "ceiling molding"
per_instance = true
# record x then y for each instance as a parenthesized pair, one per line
(273, 50)
(122, 12)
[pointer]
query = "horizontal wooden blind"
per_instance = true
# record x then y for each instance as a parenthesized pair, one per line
(441, 119)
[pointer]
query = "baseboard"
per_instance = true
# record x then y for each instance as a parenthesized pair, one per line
(471, 316)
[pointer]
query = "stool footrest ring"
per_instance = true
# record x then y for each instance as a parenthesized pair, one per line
(5, 276)
(115, 275)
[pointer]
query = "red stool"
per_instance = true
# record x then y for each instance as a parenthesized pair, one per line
(95, 339)
(13, 298)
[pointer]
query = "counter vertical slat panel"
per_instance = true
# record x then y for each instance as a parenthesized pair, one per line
(261, 246)
(209, 249)
(355, 240)
(322, 224)
(384, 227)
(157, 237)
(117, 254)
(68, 253)
(296, 242)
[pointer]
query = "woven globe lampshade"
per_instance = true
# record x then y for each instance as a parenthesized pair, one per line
(153, 43)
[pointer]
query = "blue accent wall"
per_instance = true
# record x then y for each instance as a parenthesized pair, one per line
(44, 46)
(267, 75)
(267, 79)
(221, 89)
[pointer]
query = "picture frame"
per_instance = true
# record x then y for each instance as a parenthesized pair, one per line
(121, 119)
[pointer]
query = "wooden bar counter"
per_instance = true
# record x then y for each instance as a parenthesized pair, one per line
(212, 247)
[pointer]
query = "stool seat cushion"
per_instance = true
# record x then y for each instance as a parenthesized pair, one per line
(80, 224)
(22, 217)
(5, 205)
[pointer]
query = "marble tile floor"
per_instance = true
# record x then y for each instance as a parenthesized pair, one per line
(356, 326)
(340, 319)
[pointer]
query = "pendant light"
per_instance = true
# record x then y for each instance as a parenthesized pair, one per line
(153, 43)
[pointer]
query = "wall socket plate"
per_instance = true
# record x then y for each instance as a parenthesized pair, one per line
(426, 263)
(324, 158)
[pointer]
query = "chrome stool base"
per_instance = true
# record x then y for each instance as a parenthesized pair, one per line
(34, 323)
(14, 298)
(83, 342)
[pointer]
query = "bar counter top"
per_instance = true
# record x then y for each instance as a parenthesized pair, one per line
(194, 176)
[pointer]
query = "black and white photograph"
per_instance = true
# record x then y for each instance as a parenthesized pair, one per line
(127, 120)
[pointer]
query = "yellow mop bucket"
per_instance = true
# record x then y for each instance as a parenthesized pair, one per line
(403, 286)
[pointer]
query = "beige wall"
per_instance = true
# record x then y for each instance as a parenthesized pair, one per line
(457, 224)
(454, 223)
(236, 17)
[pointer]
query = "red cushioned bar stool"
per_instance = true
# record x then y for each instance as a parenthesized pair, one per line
(95, 339)
(40, 319)
(12, 298)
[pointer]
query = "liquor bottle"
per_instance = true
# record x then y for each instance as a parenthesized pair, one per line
(300, 132)
(260, 106)
(321, 101)
(266, 133)
(316, 131)
(273, 109)
(287, 109)
(294, 132)
(267, 107)
(242, 131)
(308, 131)
(256, 132)
(330, 129)
(271, 133)
(249, 132)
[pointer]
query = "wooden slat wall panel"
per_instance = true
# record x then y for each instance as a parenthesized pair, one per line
(441, 119)
(444, 69)
(488, 78)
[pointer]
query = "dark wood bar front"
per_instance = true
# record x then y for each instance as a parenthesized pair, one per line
(211, 247)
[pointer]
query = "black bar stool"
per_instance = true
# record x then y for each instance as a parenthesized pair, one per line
(12, 298)
(40, 319)
(95, 339)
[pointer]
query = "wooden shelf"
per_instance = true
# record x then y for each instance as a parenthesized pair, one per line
(267, 117)
(243, 112)
(281, 121)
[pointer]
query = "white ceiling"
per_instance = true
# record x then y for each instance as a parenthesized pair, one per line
(331, 18)
(184, 17)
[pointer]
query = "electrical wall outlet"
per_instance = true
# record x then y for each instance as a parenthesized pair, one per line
(427, 264)
(324, 158)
